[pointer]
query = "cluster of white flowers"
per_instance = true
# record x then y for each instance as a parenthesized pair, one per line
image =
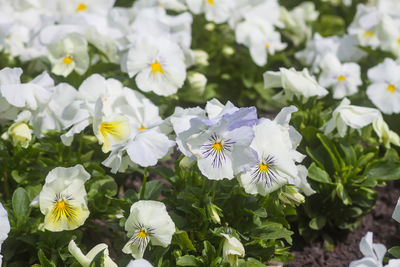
(375, 25)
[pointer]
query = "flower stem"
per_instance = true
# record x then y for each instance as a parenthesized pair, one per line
(143, 188)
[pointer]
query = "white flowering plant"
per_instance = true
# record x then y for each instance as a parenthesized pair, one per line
(192, 132)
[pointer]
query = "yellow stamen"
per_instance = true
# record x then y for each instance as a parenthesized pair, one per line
(267, 45)
(68, 60)
(263, 167)
(398, 41)
(391, 88)
(142, 234)
(217, 146)
(369, 34)
(156, 67)
(211, 2)
(63, 209)
(341, 78)
(142, 128)
(8, 37)
(81, 7)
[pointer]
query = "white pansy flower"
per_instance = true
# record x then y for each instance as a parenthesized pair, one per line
(373, 253)
(222, 150)
(275, 143)
(344, 79)
(69, 53)
(85, 260)
(158, 65)
(4, 227)
(355, 117)
(109, 130)
(148, 141)
(298, 83)
(232, 249)
(139, 263)
(19, 133)
(63, 198)
(148, 221)
(365, 25)
(217, 11)
(261, 38)
(83, 7)
(25, 95)
(386, 136)
(80, 112)
(384, 91)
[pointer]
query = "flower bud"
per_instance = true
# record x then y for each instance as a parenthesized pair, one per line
(200, 57)
(209, 27)
(232, 249)
(19, 133)
(228, 51)
(198, 82)
(214, 213)
(386, 136)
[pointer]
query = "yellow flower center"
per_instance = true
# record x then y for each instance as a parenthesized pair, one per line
(142, 234)
(267, 45)
(68, 60)
(398, 41)
(156, 67)
(263, 167)
(391, 88)
(341, 78)
(111, 127)
(81, 7)
(217, 146)
(63, 209)
(369, 34)
(211, 2)
(142, 128)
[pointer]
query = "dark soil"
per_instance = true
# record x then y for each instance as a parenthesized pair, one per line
(379, 221)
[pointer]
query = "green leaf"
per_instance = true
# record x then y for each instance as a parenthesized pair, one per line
(153, 190)
(44, 262)
(343, 195)
(20, 203)
(18, 178)
(317, 223)
(181, 239)
(188, 260)
(330, 147)
(317, 174)
(98, 260)
(209, 251)
(395, 251)
(383, 170)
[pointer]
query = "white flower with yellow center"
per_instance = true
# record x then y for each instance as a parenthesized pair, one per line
(222, 150)
(275, 144)
(80, 112)
(355, 117)
(148, 141)
(69, 53)
(373, 253)
(148, 221)
(384, 91)
(344, 79)
(111, 130)
(85, 260)
(4, 227)
(389, 34)
(217, 11)
(84, 7)
(63, 199)
(365, 25)
(158, 64)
